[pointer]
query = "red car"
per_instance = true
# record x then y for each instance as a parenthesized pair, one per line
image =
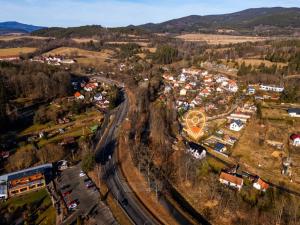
(66, 193)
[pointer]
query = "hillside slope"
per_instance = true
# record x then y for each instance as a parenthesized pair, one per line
(16, 27)
(259, 21)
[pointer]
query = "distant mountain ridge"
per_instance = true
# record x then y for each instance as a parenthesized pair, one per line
(246, 21)
(16, 27)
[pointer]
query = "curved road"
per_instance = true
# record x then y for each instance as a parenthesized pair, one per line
(112, 175)
(137, 211)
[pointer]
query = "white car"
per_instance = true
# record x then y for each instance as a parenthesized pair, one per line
(82, 174)
(72, 205)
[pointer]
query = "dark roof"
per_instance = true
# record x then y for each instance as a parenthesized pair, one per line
(238, 122)
(297, 111)
(219, 146)
(295, 136)
(196, 147)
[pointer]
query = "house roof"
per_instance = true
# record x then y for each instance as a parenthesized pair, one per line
(238, 122)
(297, 111)
(77, 94)
(231, 178)
(262, 184)
(26, 172)
(196, 147)
(219, 146)
(295, 136)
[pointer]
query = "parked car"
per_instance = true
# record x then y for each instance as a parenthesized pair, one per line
(82, 174)
(72, 205)
(89, 184)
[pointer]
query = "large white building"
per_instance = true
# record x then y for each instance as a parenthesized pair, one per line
(271, 88)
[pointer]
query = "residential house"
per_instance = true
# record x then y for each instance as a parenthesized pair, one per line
(205, 92)
(183, 92)
(261, 185)
(191, 71)
(295, 139)
(251, 90)
(271, 88)
(232, 86)
(294, 112)
(219, 147)
(98, 97)
(221, 79)
(78, 95)
(182, 78)
(231, 180)
(196, 150)
(236, 125)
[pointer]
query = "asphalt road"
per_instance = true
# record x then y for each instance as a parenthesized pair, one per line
(137, 212)
(112, 175)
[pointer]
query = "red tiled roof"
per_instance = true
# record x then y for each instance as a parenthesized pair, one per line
(295, 136)
(231, 178)
(263, 184)
(77, 94)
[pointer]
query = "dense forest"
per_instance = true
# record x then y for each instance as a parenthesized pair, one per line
(30, 81)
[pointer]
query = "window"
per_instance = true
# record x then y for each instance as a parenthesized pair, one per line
(32, 186)
(15, 192)
(23, 189)
(41, 184)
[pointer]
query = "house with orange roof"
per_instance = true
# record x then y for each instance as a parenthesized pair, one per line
(260, 185)
(231, 180)
(78, 95)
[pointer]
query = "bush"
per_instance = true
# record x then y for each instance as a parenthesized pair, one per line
(88, 162)
(166, 54)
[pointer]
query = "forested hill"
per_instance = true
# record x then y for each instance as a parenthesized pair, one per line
(259, 20)
(16, 27)
(86, 31)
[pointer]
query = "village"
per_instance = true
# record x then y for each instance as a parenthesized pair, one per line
(217, 114)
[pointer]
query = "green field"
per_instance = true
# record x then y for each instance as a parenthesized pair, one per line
(35, 207)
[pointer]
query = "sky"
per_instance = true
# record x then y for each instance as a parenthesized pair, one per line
(114, 13)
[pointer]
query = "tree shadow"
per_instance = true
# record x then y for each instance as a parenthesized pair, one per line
(105, 153)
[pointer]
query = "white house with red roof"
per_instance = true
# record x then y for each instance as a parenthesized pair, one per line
(295, 139)
(261, 185)
(231, 180)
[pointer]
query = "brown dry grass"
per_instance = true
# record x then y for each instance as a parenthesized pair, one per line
(257, 62)
(259, 158)
(84, 40)
(152, 50)
(7, 52)
(216, 39)
(84, 56)
(14, 37)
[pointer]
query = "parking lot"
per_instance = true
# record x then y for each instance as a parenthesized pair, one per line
(82, 197)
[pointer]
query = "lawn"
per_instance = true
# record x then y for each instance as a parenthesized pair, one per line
(80, 126)
(12, 52)
(260, 158)
(216, 39)
(39, 204)
(83, 56)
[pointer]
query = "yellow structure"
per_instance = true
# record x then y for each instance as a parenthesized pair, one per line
(194, 123)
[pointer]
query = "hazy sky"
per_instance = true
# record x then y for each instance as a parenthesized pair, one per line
(120, 12)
